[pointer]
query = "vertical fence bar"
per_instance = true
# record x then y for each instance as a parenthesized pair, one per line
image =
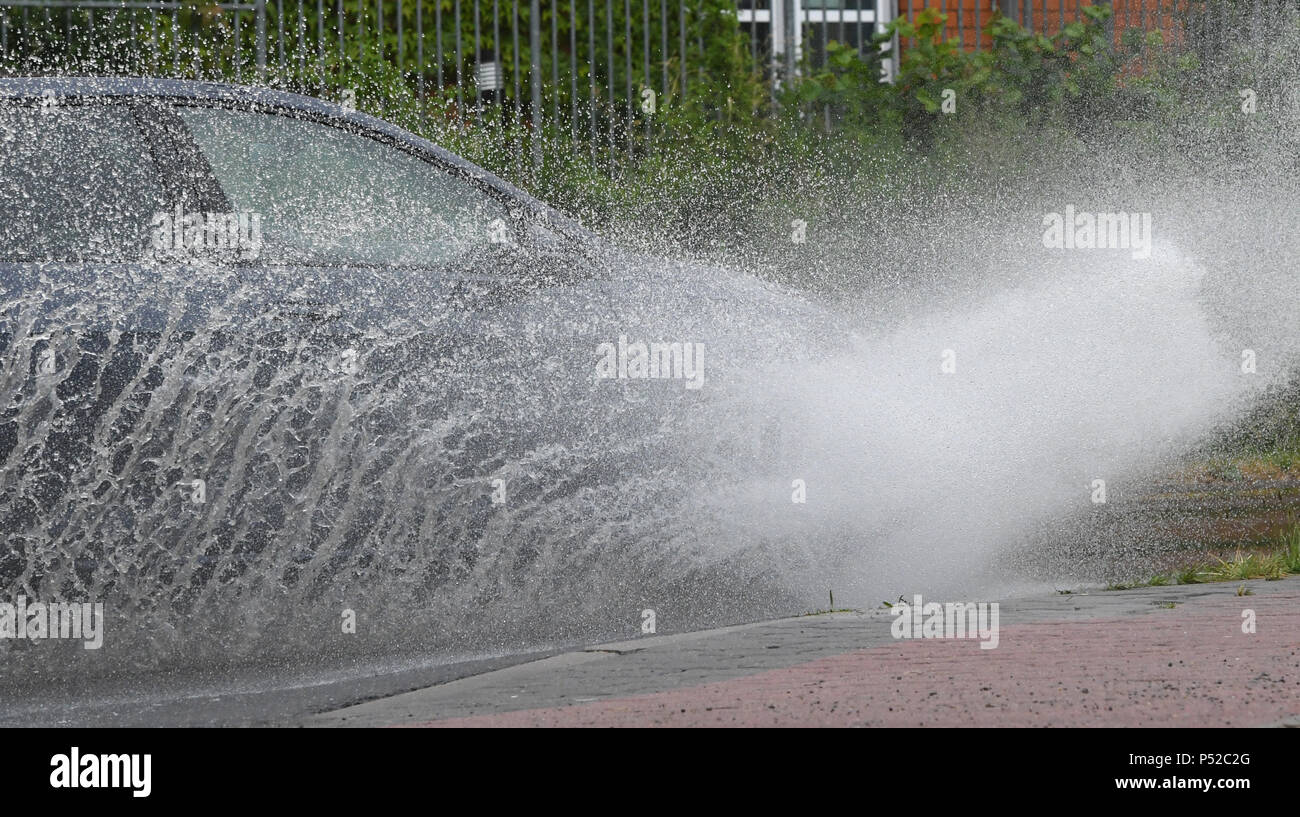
(137, 61)
(911, 40)
(573, 68)
(302, 45)
(824, 43)
(320, 45)
(681, 43)
(681, 31)
(153, 42)
(478, 61)
(753, 28)
(627, 60)
(497, 56)
(90, 35)
(437, 25)
(663, 45)
(460, 68)
(196, 61)
(419, 53)
(555, 64)
(176, 39)
(514, 35)
(609, 56)
(279, 37)
(535, 76)
(861, 45)
(645, 43)
(591, 73)
(234, 54)
(699, 45)
(140, 56)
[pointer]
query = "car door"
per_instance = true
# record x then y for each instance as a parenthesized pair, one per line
(418, 334)
(82, 330)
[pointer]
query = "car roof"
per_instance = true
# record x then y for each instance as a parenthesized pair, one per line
(183, 89)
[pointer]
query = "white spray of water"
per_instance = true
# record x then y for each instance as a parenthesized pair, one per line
(919, 478)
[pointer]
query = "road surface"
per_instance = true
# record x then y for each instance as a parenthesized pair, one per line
(1163, 656)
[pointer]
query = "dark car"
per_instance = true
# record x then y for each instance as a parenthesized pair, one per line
(266, 359)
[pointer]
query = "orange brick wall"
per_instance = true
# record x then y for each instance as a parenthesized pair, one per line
(963, 15)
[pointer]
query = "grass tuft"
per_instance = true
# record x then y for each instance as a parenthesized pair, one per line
(1277, 562)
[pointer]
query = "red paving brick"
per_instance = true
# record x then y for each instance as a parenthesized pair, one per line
(1176, 667)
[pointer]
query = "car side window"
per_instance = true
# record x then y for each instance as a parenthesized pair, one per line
(327, 196)
(77, 183)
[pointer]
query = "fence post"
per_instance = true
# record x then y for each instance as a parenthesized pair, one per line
(885, 13)
(793, 35)
(1110, 23)
(535, 77)
(260, 13)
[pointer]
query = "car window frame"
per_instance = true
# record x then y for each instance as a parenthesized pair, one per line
(521, 214)
(172, 182)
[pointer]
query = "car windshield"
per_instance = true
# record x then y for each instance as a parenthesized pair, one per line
(77, 182)
(325, 196)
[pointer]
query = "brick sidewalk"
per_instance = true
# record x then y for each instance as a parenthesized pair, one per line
(1103, 659)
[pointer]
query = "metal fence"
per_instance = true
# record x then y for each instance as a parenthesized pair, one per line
(593, 66)
(568, 61)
